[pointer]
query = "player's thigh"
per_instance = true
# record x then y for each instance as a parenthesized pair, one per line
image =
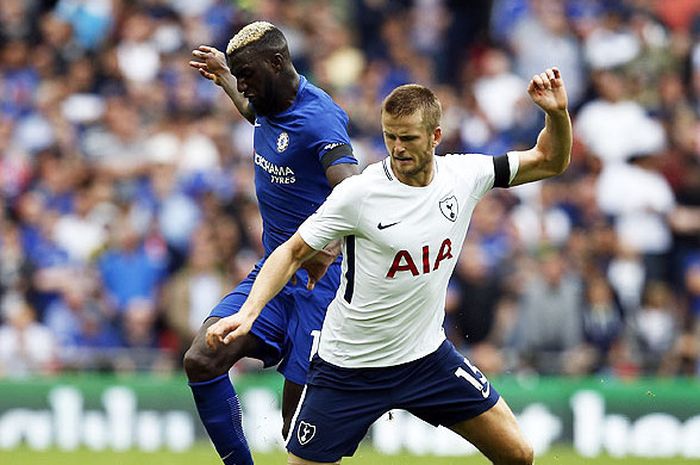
(445, 388)
(271, 325)
(330, 423)
(266, 340)
(203, 363)
(497, 435)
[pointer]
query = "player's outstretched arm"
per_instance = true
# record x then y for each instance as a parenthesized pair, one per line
(211, 64)
(317, 265)
(551, 154)
(279, 267)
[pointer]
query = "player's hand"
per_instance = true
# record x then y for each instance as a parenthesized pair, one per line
(317, 265)
(210, 62)
(227, 329)
(547, 91)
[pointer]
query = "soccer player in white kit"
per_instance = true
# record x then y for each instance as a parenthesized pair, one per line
(403, 221)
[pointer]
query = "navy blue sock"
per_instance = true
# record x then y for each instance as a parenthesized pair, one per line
(220, 411)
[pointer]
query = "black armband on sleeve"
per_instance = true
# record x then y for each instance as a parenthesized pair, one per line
(335, 154)
(501, 168)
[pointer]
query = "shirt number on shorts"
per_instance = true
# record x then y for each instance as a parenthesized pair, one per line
(316, 335)
(481, 384)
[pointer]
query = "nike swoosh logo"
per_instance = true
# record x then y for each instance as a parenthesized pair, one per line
(381, 226)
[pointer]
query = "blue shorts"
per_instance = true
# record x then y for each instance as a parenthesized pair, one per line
(289, 323)
(340, 404)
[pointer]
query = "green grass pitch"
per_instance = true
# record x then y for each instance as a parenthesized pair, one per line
(204, 455)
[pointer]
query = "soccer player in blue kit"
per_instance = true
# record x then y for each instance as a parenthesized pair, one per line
(403, 221)
(302, 150)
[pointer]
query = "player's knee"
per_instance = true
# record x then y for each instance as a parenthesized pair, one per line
(519, 454)
(194, 364)
(200, 365)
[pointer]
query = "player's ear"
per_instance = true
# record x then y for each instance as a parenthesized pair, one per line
(437, 136)
(277, 61)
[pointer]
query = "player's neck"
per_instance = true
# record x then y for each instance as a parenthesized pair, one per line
(289, 92)
(420, 179)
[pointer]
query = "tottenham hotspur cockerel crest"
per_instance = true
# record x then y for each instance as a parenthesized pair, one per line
(449, 207)
(305, 432)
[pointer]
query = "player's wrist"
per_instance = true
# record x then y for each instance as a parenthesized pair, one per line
(248, 312)
(222, 77)
(558, 113)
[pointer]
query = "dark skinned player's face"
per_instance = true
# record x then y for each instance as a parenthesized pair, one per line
(256, 76)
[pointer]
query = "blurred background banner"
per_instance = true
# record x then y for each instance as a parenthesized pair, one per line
(643, 418)
(127, 206)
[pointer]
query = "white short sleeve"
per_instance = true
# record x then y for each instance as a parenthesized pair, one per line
(336, 217)
(475, 170)
(514, 164)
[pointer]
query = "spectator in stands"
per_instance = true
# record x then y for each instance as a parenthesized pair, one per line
(147, 349)
(82, 327)
(195, 289)
(26, 346)
(14, 267)
(692, 285)
(551, 324)
(543, 24)
(80, 232)
(684, 221)
(603, 320)
(657, 324)
(640, 199)
(613, 127)
(128, 269)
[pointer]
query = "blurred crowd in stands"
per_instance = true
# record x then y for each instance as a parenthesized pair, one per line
(127, 204)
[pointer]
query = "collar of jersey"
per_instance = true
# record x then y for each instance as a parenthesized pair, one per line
(395, 179)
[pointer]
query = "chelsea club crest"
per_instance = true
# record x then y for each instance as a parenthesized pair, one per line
(282, 142)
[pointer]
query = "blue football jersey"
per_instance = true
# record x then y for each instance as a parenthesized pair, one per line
(292, 151)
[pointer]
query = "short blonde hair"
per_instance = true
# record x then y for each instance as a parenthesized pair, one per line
(250, 34)
(407, 99)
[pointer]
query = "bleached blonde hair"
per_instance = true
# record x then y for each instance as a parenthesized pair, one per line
(250, 34)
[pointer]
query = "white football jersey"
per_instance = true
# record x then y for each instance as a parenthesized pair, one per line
(400, 248)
